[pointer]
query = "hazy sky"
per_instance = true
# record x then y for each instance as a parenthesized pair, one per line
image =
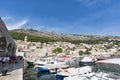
(63, 16)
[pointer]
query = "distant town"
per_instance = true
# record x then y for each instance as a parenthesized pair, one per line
(36, 50)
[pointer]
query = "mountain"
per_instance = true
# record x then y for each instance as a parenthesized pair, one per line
(45, 36)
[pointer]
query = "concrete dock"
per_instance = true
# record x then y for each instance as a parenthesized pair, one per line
(15, 74)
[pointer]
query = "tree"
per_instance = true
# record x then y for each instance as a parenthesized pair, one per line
(57, 50)
(87, 51)
(54, 51)
(81, 52)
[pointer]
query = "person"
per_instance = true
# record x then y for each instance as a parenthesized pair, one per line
(5, 59)
(5, 62)
(14, 59)
(0, 59)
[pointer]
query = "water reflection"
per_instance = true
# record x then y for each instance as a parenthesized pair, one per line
(46, 76)
(42, 73)
(31, 74)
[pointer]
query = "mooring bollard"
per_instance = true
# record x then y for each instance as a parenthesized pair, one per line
(4, 72)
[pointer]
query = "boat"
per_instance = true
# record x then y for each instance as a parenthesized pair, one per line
(108, 69)
(49, 64)
(86, 61)
(72, 72)
(86, 65)
(30, 64)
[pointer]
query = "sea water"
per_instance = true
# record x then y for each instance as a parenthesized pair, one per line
(32, 74)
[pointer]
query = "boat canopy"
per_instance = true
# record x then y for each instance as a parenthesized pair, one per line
(86, 59)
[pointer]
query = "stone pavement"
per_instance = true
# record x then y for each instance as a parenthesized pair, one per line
(15, 74)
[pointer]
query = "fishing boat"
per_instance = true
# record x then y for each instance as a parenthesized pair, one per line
(108, 69)
(49, 64)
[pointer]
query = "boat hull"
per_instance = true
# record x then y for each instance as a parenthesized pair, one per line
(60, 77)
(30, 64)
(86, 64)
(39, 69)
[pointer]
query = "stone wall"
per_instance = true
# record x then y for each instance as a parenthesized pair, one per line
(7, 44)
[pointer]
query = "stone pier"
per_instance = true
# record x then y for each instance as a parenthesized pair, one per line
(8, 49)
(15, 74)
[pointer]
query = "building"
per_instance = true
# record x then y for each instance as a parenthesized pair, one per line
(7, 44)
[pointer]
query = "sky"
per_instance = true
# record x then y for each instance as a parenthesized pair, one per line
(63, 16)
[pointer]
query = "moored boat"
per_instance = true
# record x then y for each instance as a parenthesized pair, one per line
(86, 65)
(73, 72)
(30, 64)
(108, 69)
(86, 61)
(49, 64)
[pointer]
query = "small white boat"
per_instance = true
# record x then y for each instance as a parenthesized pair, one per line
(86, 61)
(73, 72)
(86, 66)
(108, 69)
(49, 64)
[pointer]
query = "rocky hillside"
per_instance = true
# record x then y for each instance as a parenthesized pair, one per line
(36, 35)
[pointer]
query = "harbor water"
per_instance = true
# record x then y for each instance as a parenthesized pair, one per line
(31, 73)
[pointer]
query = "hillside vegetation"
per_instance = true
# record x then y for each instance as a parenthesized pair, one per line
(45, 36)
(32, 38)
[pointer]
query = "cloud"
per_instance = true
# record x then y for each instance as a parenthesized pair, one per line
(16, 25)
(7, 18)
